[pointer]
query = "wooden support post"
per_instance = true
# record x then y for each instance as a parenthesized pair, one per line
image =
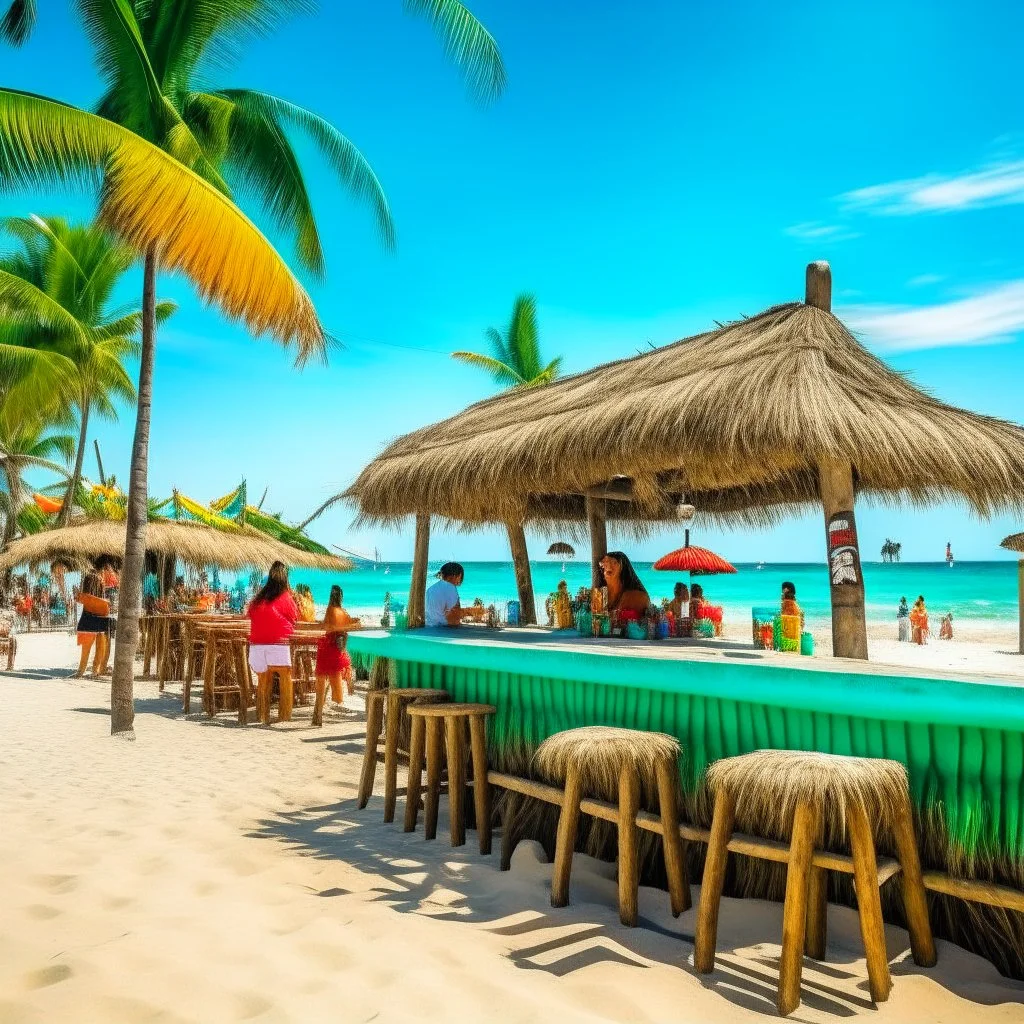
(286, 693)
(869, 903)
(706, 934)
(481, 787)
(565, 841)
(418, 584)
(392, 722)
(629, 864)
(524, 579)
(435, 742)
(1020, 604)
(417, 741)
(597, 522)
(835, 487)
(374, 720)
(455, 740)
(794, 912)
(817, 914)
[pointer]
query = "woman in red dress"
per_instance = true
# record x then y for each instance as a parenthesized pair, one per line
(332, 660)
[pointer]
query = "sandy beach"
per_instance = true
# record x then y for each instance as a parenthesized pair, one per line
(207, 872)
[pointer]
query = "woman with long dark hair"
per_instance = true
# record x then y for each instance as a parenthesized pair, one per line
(332, 660)
(93, 625)
(625, 591)
(272, 616)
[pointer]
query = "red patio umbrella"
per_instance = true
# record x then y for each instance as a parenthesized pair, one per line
(694, 560)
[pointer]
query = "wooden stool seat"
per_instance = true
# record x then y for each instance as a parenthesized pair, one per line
(605, 762)
(798, 793)
(429, 723)
(396, 700)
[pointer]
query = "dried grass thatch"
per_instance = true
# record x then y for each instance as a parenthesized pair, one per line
(737, 420)
(768, 784)
(1015, 542)
(191, 542)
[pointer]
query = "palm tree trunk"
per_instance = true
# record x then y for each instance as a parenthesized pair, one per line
(524, 580)
(122, 705)
(76, 477)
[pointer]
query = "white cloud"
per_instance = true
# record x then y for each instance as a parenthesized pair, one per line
(924, 279)
(991, 317)
(995, 185)
(815, 231)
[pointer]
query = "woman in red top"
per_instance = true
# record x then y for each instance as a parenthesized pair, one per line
(272, 615)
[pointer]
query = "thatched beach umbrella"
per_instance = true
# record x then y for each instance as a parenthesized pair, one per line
(1015, 542)
(193, 543)
(562, 550)
(748, 422)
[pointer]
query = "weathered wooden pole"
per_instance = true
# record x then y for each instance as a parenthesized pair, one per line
(1020, 604)
(524, 579)
(418, 584)
(835, 486)
(598, 533)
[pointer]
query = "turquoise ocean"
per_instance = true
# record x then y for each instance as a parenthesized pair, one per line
(971, 590)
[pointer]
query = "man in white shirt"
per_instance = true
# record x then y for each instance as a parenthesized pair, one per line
(442, 604)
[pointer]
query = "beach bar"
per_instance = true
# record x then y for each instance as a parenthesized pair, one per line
(774, 414)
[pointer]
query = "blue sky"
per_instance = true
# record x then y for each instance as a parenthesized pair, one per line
(651, 168)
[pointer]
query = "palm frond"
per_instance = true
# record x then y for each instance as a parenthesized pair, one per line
(502, 372)
(259, 146)
(522, 338)
(28, 302)
(153, 202)
(466, 43)
(18, 21)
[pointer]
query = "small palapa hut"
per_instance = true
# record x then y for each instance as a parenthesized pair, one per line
(761, 418)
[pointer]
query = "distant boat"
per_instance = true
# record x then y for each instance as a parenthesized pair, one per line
(760, 565)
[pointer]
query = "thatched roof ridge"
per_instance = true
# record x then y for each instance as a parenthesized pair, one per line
(737, 419)
(1015, 542)
(192, 542)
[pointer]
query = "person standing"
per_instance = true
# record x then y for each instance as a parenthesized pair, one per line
(442, 599)
(332, 661)
(903, 621)
(93, 626)
(272, 617)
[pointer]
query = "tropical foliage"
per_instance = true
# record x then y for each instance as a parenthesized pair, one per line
(515, 359)
(32, 444)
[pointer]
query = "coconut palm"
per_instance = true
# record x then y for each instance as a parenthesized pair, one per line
(18, 21)
(515, 361)
(57, 287)
(164, 210)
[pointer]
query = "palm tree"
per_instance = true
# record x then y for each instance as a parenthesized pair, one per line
(57, 287)
(515, 361)
(18, 21)
(162, 209)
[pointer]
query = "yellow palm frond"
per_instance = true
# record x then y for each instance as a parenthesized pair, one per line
(153, 201)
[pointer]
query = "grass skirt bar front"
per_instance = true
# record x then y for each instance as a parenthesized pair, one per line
(961, 740)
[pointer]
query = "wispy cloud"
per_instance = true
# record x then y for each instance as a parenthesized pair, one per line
(997, 184)
(815, 231)
(922, 280)
(991, 317)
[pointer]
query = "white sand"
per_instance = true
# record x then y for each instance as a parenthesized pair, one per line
(208, 873)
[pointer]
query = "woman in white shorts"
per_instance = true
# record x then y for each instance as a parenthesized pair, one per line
(272, 616)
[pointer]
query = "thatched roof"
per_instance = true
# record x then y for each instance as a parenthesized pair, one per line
(192, 542)
(1015, 542)
(737, 420)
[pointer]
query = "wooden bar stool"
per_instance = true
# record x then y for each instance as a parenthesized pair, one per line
(798, 792)
(429, 723)
(595, 761)
(397, 700)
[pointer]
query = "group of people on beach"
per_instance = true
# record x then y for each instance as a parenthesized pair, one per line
(912, 622)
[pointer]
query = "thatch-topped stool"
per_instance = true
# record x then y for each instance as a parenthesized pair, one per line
(397, 700)
(603, 762)
(429, 723)
(806, 794)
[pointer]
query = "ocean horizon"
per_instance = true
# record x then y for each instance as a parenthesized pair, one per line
(972, 591)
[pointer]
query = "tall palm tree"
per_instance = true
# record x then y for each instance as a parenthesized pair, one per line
(164, 210)
(516, 362)
(515, 359)
(57, 287)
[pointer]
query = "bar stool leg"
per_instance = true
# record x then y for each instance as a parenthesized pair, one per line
(629, 865)
(415, 783)
(706, 932)
(869, 903)
(922, 944)
(455, 740)
(263, 687)
(391, 728)
(566, 839)
(794, 913)
(209, 678)
(507, 839)
(674, 848)
(481, 787)
(817, 914)
(286, 689)
(435, 741)
(374, 718)
(244, 682)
